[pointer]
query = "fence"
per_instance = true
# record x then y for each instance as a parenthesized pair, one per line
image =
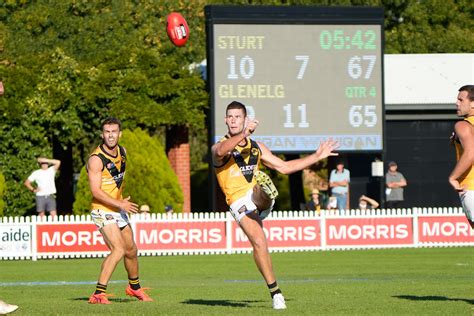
(213, 233)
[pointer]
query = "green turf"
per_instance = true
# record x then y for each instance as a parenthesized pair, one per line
(427, 281)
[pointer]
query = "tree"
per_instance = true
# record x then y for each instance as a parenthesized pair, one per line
(2, 192)
(67, 65)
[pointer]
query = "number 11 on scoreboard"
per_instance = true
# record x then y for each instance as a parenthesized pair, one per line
(289, 116)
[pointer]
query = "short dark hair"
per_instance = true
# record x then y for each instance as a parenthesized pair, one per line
(469, 88)
(235, 105)
(112, 121)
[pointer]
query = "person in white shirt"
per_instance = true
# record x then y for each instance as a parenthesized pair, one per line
(45, 189)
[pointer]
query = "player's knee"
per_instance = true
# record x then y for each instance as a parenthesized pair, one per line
(259, 243)
(131, 252)
(118, 252)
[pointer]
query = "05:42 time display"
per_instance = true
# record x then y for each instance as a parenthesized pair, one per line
(336, 39)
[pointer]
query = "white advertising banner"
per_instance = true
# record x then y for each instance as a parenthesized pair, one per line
(15, 240)
(212, 233)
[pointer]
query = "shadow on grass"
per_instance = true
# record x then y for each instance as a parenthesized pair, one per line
(433, 298)
(112, 299)
(220, 302)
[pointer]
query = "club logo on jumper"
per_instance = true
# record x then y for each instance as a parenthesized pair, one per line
(247, 170)
(119, 177)
(247, 160)
(109, 217)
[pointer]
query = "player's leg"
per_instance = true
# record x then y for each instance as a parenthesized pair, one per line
(266, 183)
(113, 239)
(264, 193)
(467, 201)
(131, 265)
(115, 242)
(251, 224)
(130, 259)
(261, 199)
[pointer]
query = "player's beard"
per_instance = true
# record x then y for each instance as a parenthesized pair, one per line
(110, 144)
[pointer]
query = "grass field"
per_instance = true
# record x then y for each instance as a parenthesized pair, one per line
(428, 281)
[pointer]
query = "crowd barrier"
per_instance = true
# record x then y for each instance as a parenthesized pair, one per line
(75, 236)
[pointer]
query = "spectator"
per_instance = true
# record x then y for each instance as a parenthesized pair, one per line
(366, 203)
(45, 189)
(395, 182)
(332, 203)
(314, 204)
(169, 209)
(145, 210)
(339, 184)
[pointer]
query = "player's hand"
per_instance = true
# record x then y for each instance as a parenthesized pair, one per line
(128, 206)
(327, 149)
(250, 127)
(456, 186)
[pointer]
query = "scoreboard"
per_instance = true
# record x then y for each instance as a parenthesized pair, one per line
(306, 73)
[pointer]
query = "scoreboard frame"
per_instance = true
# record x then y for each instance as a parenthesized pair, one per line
(289, 15)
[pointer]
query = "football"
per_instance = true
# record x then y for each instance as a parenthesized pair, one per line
(177, 29)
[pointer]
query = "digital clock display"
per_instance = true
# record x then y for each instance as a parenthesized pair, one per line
(304, 82)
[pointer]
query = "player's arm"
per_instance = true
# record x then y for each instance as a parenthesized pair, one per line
(371, 201)
(94, 172)
(324, 150)
(464, 131)
(222, 149)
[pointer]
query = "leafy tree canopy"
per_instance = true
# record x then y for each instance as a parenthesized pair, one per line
(68, 64)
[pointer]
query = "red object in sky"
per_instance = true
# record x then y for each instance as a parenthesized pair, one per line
(177, 29)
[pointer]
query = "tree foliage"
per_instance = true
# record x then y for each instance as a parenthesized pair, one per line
(68, 64)
(149, 177)
(2, 192)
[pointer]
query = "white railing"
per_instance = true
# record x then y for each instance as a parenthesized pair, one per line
(74, 236)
